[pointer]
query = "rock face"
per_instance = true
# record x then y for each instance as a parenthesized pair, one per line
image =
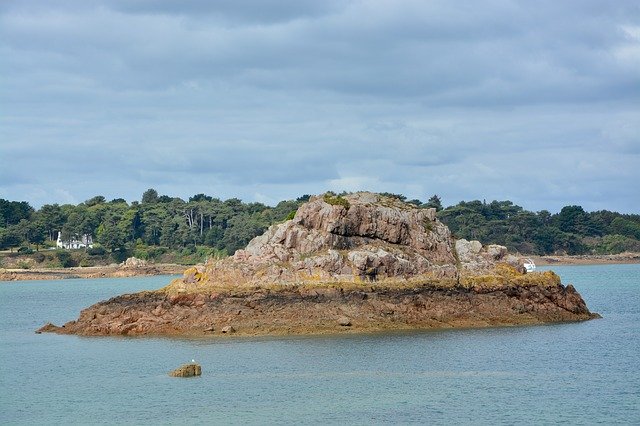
(352, 263)
(133, 262)
(366, 237)
(187, 370)
(474, 257)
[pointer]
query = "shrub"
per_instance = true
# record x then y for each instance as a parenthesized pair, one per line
(204, 253)
(119, 255)
(25, 250)
(188, 249)
(155, 253)
(614, 244)
(291, 214)
(336, 200)
(39, 257)
(65, 259)
(96, 251)
(141, 253)
(23, 265)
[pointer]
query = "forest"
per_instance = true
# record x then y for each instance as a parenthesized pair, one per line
(205, 226)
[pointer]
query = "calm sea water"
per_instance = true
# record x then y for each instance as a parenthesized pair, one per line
(578, 373)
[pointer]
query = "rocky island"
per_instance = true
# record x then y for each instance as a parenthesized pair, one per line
(353, 263)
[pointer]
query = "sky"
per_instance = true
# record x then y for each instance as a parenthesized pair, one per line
(537, 102)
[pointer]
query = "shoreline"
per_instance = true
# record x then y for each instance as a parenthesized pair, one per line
(321, 310)
(117, 271)
(586, 259)
(109, 271)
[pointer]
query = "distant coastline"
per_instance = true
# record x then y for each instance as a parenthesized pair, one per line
(115, 271)
(587, 259)
(109, 271)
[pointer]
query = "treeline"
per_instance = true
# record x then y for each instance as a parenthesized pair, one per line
(155, 221)
(571, 231)
(159, 223)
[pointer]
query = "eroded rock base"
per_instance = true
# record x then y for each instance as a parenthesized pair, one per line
(327, 309)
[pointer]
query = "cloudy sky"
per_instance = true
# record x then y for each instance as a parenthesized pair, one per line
(533, 101)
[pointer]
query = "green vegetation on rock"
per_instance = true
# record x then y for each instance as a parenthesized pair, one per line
(336, 200)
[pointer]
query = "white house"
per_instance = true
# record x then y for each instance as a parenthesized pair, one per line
(85, 241)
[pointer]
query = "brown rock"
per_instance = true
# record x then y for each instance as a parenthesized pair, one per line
(48, 328)
(344, 322)
(228, 329)
(187, 370)
(133, 262)
(290, 311)
(376, 237)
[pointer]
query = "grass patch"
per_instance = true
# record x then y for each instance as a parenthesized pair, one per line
(336, 200)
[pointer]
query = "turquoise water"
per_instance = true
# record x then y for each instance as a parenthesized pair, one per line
(577, 373)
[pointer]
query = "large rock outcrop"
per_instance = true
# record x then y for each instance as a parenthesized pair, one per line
(366, 260)
(328, 309)
(361, 236)
(358, 237)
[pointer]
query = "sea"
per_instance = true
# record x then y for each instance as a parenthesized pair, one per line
(571, 373)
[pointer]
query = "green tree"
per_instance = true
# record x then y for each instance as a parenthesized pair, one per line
(80, 222)
(200, 197)
(573, 219)
(37, 233)
(9, 238)
(617, 244)
(242, 229)
(153, 218)
(98, 199)
(12, 212)
(150, 196)
(52, 218)
(626, 227)
(434, 202)
(112, 237)
(213, 237)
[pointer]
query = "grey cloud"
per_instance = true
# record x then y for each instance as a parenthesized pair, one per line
(235, 11)
(267, 101)
(396, 57)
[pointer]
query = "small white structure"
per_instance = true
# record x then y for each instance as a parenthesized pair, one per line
(529, 265)
(85, 241)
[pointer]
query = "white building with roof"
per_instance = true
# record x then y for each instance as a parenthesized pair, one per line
(85, 241)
